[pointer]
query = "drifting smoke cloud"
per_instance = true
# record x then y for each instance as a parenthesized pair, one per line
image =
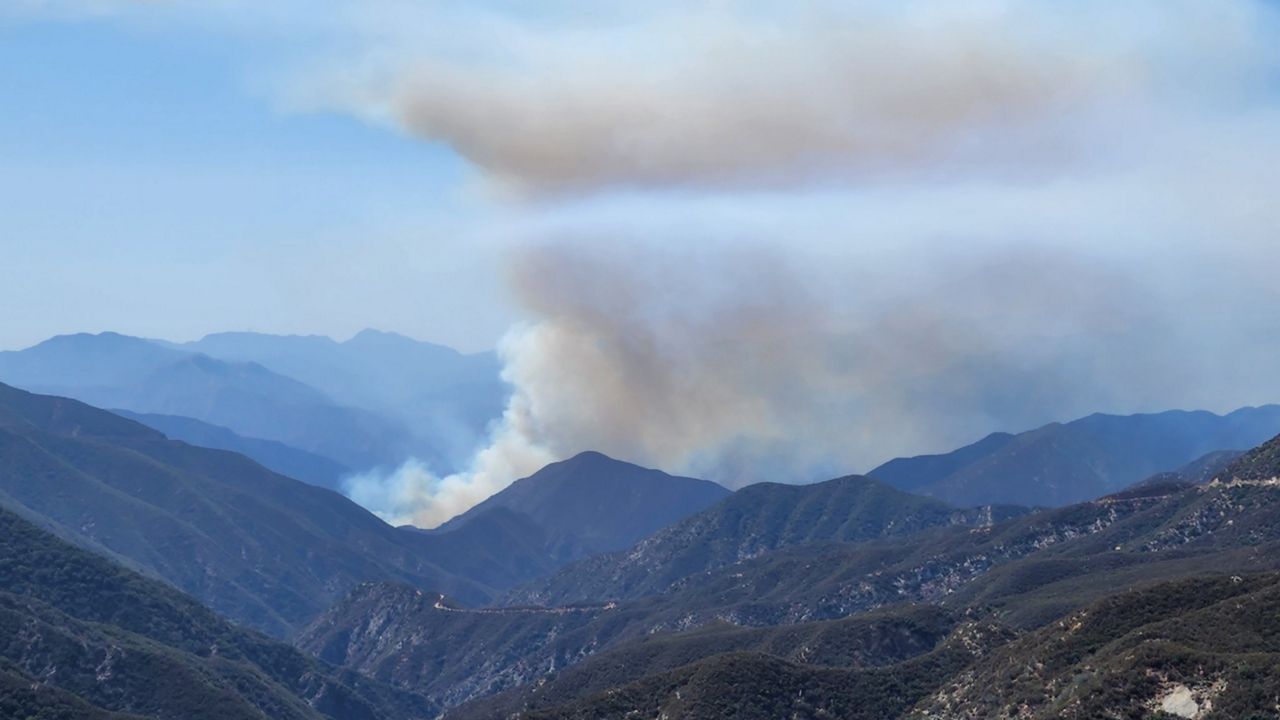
(771, 363)
(741, 366)
(731, 96)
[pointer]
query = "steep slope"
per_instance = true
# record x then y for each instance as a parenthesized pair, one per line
(1259, 465)
(1207, 649)
(22, 696)
(1202, 648)
(1060, 464)
(592, 503)
(1022, 573)
(499, 548)
(1029, 570)
(412, 639)
(1198, 471)
(111, 370)
(755, 520)
(864, 641)
(1025, 573)
(915, 474)
(754, 685)
(418, 640)
(83, 637)
(277, 457)
(445, 398)
(261, 548)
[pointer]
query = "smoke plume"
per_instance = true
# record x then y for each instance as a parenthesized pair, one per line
(744, 365)
(971, 217)
(732, 96)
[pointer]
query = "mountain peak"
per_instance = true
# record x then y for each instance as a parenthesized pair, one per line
(383, 337)
(107, 339)
(602, 503)
(587, 461)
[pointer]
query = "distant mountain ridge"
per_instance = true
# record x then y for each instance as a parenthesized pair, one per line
(261, 548)
(113, 370)
(592, 503)
(376, 399)
(273, 552)
(1064, 463)
(1015, 575)
(443, 399)
(275, 456)
(754, 520)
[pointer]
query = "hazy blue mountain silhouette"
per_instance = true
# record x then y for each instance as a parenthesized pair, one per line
(258, 547)
(276, 456)
(1063, 463)
(112, 370)
(445, 398)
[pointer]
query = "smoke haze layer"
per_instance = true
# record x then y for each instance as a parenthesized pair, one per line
(763, 242)
(738, 95)
(740, 364)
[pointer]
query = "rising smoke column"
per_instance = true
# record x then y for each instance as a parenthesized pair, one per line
(738, 365)
(762, 363)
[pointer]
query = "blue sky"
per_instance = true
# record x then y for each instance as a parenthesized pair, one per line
(138, 165)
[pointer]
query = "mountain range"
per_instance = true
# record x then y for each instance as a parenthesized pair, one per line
(591, 503)
(267, 550)
(1064, 463)
(443, 398)
(131, 543)
(116, 371)
(83, 638)
(374, 400)
(997, 578)
(752, 522)
(275, 456)
(258, 547)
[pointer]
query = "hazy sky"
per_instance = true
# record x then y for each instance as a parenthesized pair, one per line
(170, 169)
(882, 226)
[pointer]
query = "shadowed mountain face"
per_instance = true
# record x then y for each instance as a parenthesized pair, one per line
(1060, 464)
(444, 399)
(1204, 648)
(273, 552)
(1016, 575)
(1258, 465)
(258, 547)
(592, 503)
(277, 457)
(111, 370)
(753, 521)
(1200, 648)
(82, 638)
(865, 641)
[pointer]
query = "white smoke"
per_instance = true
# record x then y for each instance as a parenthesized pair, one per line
(733, 95)
(991, 154)
(742, 365)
